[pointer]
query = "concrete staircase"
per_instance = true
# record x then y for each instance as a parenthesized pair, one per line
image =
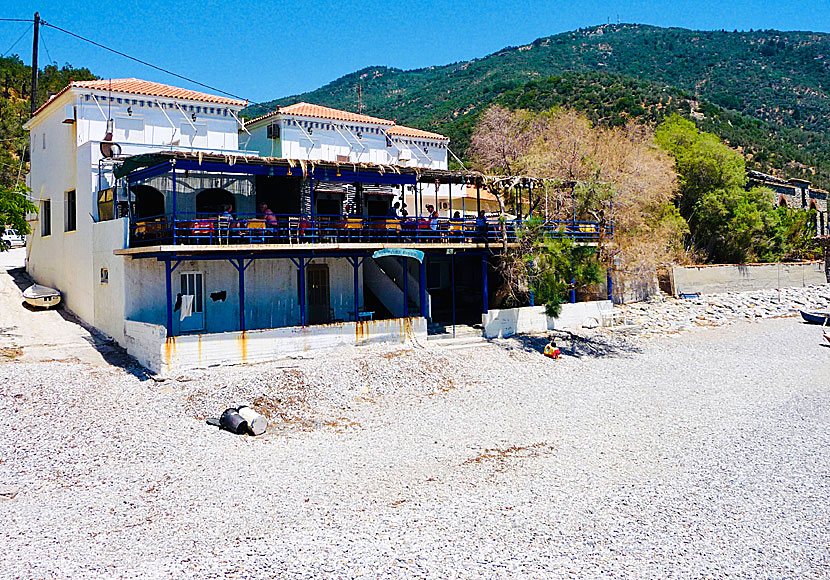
(465, 337)
(381, 276)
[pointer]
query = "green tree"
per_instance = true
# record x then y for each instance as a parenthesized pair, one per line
(727, 221)
(14, 205)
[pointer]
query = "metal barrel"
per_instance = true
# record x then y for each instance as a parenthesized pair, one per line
(232, 421)
(257, 424)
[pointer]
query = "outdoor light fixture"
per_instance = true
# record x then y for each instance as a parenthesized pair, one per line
(359, 135)
(193, 116)
(130, 111)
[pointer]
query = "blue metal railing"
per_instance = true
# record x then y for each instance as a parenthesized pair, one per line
(210, 229)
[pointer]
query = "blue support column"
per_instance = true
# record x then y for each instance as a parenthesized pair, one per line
(423, 276)
(405, 278)
(452, 274)
(610, 283)
(241, 266)
(573, 290)
(356, 265)
(313, 213)
(168, 271)
(485, 296)
(449, 186)
(175, 200)
(302, 292)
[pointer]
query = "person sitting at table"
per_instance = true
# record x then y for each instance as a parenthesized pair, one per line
(481, 228)
(271, 222)
(433, 217)
(394, 211)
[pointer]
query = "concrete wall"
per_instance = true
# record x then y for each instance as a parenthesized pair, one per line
(740, 278)
(110, 297)
(528, 319)
(150, 346)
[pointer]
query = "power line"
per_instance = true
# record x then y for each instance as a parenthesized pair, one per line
(46, 48)
(16, 20)
(144, 62)
(19, 38)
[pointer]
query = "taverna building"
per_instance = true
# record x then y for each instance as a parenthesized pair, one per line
(193, 238)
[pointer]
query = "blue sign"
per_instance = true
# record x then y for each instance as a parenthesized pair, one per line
(401, 253)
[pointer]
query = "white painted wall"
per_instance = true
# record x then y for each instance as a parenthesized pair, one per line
(325, 143)
(65, 156)
(529, 319)
(150, 346)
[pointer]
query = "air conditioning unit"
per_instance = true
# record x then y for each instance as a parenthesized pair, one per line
(444, 205)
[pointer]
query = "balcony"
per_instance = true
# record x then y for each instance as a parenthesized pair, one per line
(291, 230)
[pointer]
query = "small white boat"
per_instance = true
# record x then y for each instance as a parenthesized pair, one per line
(42, 296)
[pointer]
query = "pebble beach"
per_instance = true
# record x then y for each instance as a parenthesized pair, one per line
(695, 451)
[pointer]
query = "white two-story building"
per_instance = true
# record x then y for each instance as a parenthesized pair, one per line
(74, 139)
(151, 224)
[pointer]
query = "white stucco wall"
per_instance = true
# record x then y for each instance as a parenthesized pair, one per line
(326, 144)
(529, 319)
(67, 158)
(109, 299)
(150, 346)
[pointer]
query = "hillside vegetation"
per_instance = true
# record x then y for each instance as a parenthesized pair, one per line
(15, 108)
(762, 91)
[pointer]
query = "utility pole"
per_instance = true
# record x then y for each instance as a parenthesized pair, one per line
(359, 98)
(34, 62)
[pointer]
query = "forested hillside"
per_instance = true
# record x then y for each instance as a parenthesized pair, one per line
(15, 108)
(763, 91)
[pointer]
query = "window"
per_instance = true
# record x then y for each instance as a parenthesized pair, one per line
(46, 217)
(105, 276)
(273, 131)
(69, 211)
(44, 142)
(106, 205)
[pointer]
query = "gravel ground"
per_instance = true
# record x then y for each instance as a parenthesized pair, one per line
(695, 455)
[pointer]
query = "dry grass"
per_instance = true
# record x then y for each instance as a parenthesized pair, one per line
(500, 458)
(10, 352)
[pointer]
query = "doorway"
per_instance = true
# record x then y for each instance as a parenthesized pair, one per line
(193, 285)
(319, 302)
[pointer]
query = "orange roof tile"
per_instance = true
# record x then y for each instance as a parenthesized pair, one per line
(320, 112)
(148, 88)
(403, 131)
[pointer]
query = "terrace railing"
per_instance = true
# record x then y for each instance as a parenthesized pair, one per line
(210, 229)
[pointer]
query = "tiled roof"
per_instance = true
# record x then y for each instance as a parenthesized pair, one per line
(147, 88)
(403, 131)
(320, 112)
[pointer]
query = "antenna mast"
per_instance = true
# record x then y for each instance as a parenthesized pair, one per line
(34, 62)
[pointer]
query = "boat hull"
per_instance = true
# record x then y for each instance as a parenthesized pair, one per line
(41, 296)
(815, 317)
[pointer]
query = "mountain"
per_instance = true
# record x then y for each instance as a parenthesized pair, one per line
(772, 85)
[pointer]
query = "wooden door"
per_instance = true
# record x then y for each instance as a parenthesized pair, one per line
(318, 295)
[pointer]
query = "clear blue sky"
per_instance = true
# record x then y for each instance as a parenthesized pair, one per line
(265, 50)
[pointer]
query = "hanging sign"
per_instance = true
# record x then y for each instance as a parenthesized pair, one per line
(401, 253)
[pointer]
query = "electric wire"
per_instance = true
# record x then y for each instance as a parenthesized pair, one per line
(16, 20)
(19, 38)
(144, 62)
(46, 48)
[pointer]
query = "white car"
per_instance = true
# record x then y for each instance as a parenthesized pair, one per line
(12, 238)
